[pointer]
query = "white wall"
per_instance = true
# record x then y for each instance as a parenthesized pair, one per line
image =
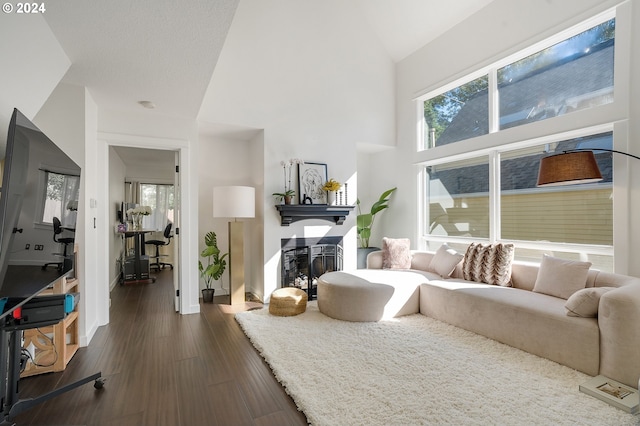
(69, 118)
(223, 161)
(500, 29)
(32, 65)
(318, 81)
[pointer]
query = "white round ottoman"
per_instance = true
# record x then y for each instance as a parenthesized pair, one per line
(347, 297)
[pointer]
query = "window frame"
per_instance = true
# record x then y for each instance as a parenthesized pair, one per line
(43, 171)
(604, 118)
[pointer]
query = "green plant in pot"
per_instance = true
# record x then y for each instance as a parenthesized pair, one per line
(286, 196)
(215, 265)
(364, 223)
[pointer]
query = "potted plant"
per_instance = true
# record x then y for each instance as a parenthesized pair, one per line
(288, 193)
(285, 196)
(364, 223)
(215, 267)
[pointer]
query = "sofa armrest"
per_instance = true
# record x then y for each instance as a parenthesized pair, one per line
(619, 322)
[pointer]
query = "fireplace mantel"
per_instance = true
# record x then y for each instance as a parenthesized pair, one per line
(290, 213)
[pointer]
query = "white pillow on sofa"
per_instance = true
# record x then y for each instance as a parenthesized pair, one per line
(584, 303)
(561, 277)
(445, 260)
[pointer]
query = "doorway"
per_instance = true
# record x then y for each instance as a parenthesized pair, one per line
(146, 177)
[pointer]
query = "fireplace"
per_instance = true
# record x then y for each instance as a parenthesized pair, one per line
(305, 259)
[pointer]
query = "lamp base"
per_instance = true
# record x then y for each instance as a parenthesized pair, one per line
(236, 262)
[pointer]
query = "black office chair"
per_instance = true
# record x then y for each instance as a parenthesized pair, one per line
(65, 241)
(158, 243)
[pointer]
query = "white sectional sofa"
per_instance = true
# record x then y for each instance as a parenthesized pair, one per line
(607, 344)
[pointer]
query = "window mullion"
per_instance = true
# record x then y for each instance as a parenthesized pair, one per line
(494, 196)
(493, 99)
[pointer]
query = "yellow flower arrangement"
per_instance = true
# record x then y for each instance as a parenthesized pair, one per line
(331, 185)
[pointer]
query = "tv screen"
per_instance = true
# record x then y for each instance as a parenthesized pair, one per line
(39, 183)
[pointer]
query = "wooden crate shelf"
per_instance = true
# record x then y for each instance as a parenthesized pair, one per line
(54, 346)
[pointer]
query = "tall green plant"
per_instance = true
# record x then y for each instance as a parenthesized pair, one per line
(216, 263)
(365, 221)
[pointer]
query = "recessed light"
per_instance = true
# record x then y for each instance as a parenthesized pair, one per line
(147, 104)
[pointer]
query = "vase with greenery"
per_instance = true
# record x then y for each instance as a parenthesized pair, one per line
(215, 265)
(364, 223)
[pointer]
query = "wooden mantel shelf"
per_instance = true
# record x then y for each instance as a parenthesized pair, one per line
(290, 213)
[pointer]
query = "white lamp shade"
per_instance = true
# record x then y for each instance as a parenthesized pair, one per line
(234, 201)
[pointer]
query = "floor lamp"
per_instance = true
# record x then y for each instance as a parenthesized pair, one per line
(572, 167)
(235, 202)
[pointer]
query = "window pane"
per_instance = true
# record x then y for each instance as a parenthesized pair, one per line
(578, 214)
(458, 114)
(161, 200)
(61, 198)
(458, 198)
(574, 74)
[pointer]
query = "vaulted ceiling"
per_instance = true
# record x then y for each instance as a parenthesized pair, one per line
(166, 52)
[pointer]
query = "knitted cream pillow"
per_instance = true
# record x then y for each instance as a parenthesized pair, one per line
(396, 253)
(488, 263)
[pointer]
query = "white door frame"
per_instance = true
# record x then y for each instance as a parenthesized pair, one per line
(188, 280)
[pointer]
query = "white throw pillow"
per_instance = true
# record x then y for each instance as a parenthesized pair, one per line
(445, 260)
(396, 253)
(584, 303)
(560, 277)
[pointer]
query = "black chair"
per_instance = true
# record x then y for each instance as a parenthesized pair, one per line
(158, 243)
(66, 263)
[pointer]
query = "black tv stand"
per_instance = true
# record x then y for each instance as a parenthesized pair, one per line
(10, 363)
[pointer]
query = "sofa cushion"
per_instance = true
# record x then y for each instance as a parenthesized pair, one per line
(488, 263)
(584, 302)
(445, 261)
(396, 253)
(561, 277)
(534, 322)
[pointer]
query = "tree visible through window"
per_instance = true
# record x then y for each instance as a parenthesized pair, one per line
(574, 74)
(61, 198)
(161, 200)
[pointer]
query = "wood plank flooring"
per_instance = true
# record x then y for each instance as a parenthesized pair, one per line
(162, 368)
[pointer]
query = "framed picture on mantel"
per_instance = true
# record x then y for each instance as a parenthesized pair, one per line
(311, 177)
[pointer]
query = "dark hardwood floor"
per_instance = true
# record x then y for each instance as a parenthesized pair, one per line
(162, 368)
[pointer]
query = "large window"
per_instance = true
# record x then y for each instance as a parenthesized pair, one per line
(458, 198)
(574, 74)
(161, 200)
(575, 214)
(487, 190)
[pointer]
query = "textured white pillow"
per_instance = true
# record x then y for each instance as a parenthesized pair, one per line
(584, 302)
(396, 253)
(560, 277)
(445, 260)
(488, 263)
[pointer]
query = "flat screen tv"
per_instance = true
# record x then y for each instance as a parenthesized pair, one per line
(35, 174)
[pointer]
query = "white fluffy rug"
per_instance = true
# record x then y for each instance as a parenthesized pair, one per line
(417, 371)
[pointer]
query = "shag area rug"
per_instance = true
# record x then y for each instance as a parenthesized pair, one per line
(416, 370)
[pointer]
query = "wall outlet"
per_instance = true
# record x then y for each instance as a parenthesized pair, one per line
(38, 247)
(27, 247)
